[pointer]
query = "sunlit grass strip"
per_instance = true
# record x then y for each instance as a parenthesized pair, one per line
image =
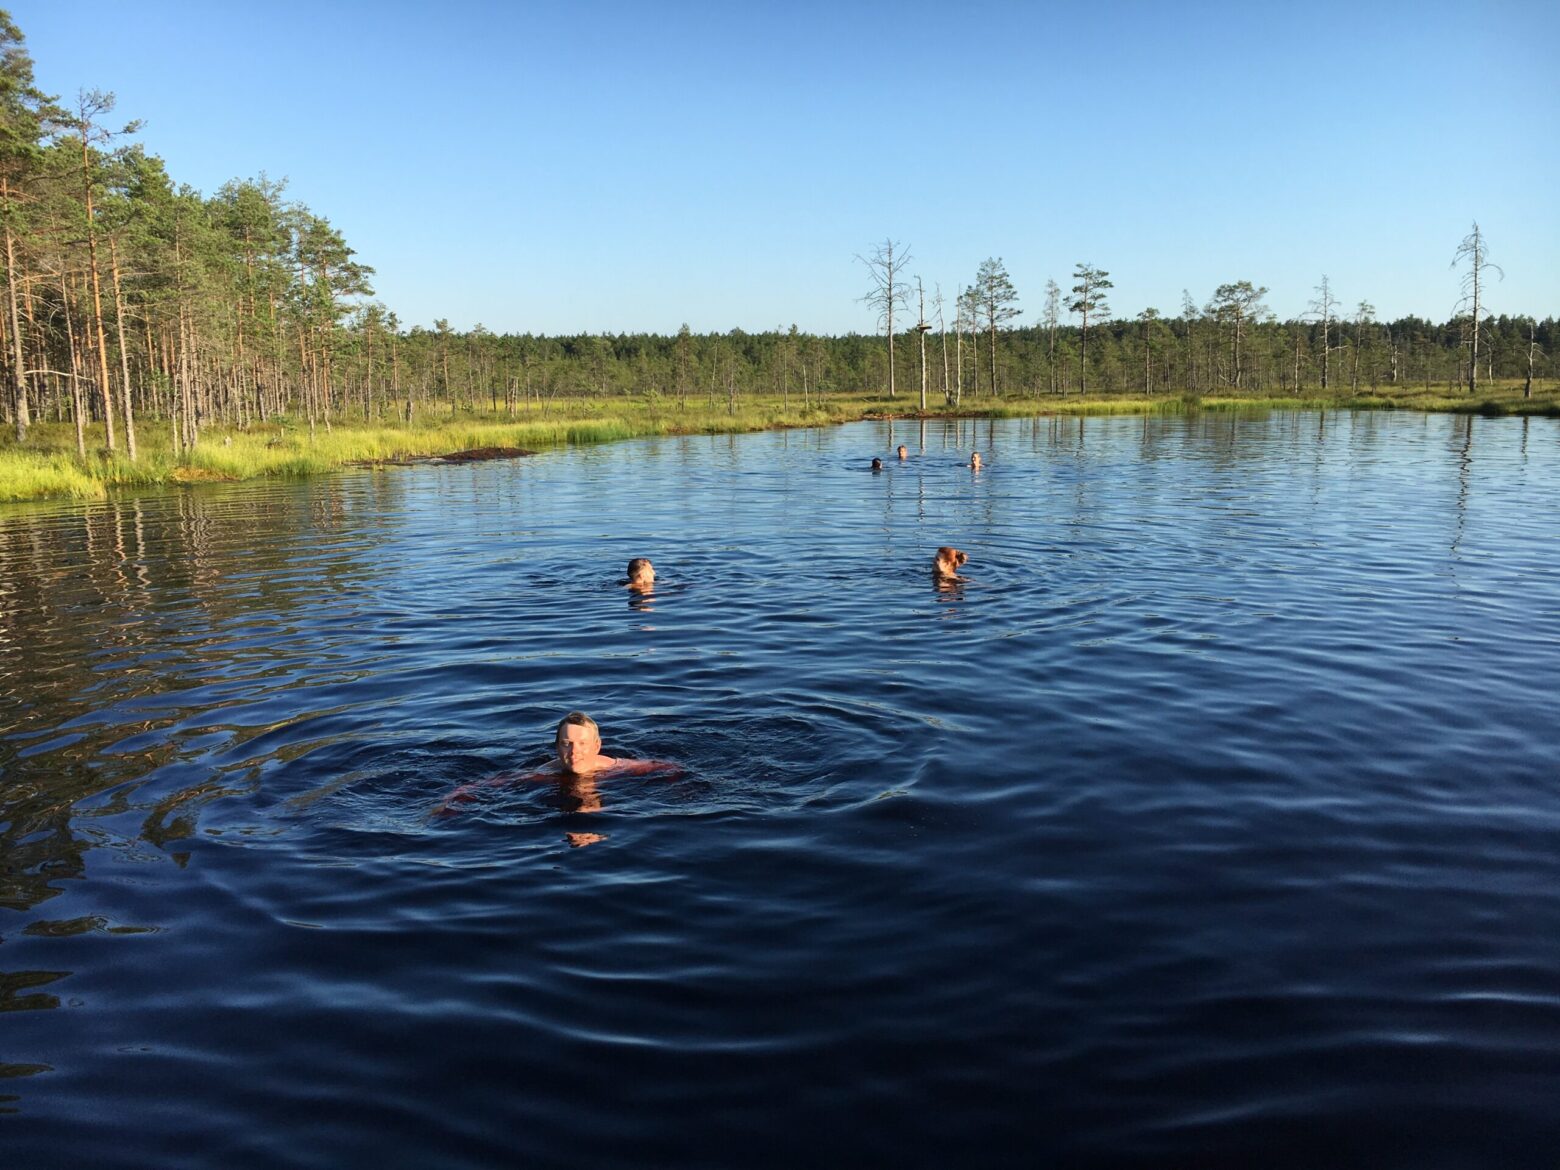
(48, 468)
(1090, 406)
(25, 475)
(1238, 402)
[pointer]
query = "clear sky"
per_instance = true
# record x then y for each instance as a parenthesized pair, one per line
(607, 167)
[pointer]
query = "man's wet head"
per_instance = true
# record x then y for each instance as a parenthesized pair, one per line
(641, 573)
(578, 742)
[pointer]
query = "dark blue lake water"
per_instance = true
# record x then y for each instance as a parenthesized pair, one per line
(1214, 821)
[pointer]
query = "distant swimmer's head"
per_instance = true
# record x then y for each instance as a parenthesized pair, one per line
(641, 573)
(948, 561)
(904, 452)
(975, 460)
(877, 464)
(577, 741)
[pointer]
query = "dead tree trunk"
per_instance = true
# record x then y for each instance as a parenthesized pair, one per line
(920, 328)
(1533, 350)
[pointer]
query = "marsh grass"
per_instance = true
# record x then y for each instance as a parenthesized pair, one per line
(47, 466)
(33, 475)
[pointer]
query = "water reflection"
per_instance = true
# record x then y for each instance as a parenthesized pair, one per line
(38, 851)
(87, 924)
(109, 611)
(11, 1070)
(951, 589)
(18, 994)
(1464, 474)
(579, 794)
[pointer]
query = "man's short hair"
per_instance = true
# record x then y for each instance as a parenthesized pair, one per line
(576, 719)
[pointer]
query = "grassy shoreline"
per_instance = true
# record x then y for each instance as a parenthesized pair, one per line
(47, 466)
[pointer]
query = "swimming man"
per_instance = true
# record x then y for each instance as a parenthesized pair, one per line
(577, 763)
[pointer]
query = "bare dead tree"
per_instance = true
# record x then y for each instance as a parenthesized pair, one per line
(1475, 253)
(966, 306)
(1533, 351)
(1324, 310)
(885, 264)
(942, 331)
(920, 329)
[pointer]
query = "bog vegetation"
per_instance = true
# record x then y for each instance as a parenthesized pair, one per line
(151, 333)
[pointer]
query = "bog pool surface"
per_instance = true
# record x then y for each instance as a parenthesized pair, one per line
(1213, 821)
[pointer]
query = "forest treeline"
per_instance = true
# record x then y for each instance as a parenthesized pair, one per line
(129, 296)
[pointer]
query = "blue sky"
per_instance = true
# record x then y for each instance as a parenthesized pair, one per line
(565, 167)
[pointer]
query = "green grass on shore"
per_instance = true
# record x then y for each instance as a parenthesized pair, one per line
(47, 466)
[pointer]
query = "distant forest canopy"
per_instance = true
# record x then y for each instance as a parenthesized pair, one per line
(129, 296)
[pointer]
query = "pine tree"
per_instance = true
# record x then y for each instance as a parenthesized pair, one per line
(1088, 301)
(998, 301)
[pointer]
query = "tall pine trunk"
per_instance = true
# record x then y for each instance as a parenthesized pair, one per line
(124, 351)
(78, 407)
(97, 296)
(18, 352)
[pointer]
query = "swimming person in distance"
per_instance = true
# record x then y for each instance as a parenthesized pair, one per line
(903, 452)
(641, 575)
(945, 571)
(974, 463)
(877, 464)
(577, 765)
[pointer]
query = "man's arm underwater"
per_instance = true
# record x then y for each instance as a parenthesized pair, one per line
(467, 793)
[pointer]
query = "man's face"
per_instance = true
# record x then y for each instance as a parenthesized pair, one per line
(577, 746)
